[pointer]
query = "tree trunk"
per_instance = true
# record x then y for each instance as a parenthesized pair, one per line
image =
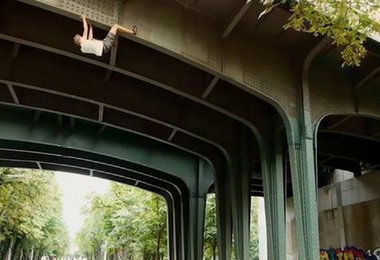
(31, 253)
(17, 248)
(158, 243)
(8, 254)
(36, 255)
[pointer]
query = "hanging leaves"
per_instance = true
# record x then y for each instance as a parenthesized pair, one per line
(347, 22)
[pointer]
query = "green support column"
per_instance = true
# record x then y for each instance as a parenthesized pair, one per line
(241, 213)
(241, 199)
(223, 215)
(197, 210)
(301, 155)
(273, 181)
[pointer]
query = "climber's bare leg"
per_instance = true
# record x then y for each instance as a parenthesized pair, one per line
(118, 28)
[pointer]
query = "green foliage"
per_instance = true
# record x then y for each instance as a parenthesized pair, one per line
(210, 232)
(347, 22)
(131, 223)
(254, 238)
(128, 222)
(30, 213)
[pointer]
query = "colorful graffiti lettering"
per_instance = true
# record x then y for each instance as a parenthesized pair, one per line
(349, 253)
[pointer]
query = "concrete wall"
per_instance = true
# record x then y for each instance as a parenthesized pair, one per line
(349, 215)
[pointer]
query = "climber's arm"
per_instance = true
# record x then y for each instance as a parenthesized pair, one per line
(90, 35)
(85, 27)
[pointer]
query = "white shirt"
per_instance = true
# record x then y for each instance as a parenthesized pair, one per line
(92, 46)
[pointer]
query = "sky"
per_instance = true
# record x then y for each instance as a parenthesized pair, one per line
(74, 188)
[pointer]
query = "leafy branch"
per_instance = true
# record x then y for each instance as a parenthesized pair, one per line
(347, 22)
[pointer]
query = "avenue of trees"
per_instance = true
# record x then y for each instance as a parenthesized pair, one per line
(30, 215)
(126, 222)
(131, 224)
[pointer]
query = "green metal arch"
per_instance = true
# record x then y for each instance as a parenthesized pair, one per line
(17, 125)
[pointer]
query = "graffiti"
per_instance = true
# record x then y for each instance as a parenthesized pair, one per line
(349, 253)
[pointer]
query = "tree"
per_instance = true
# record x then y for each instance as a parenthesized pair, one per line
(30, 215)
(210, 233)
(347, 22)
(126, 222)
(254, 238)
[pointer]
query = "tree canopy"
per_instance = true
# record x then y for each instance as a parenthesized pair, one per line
(127, 222)
(30, 215)
(347, 22)
(131, 223)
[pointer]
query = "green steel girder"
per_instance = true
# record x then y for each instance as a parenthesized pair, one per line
(252, 109)
(17, 125)
(301, 153)
(131, 117)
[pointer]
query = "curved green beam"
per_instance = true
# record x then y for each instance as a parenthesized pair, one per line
(17, 125)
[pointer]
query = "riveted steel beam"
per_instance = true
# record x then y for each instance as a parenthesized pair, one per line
(102, 106)
(353, 133)
(172, 134)
(89, 139)
(84, 99)
(101, 113)
(210, 87)
(341, 121)
(235, 20)
(372, 74)
(15, 50)
(13, 93)
(169, 87)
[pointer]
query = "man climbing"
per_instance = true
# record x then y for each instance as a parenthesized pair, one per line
(98, 47)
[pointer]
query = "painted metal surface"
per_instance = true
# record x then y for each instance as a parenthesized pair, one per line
(195, 93)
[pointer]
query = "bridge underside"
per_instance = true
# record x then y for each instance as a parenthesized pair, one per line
(205, 98)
